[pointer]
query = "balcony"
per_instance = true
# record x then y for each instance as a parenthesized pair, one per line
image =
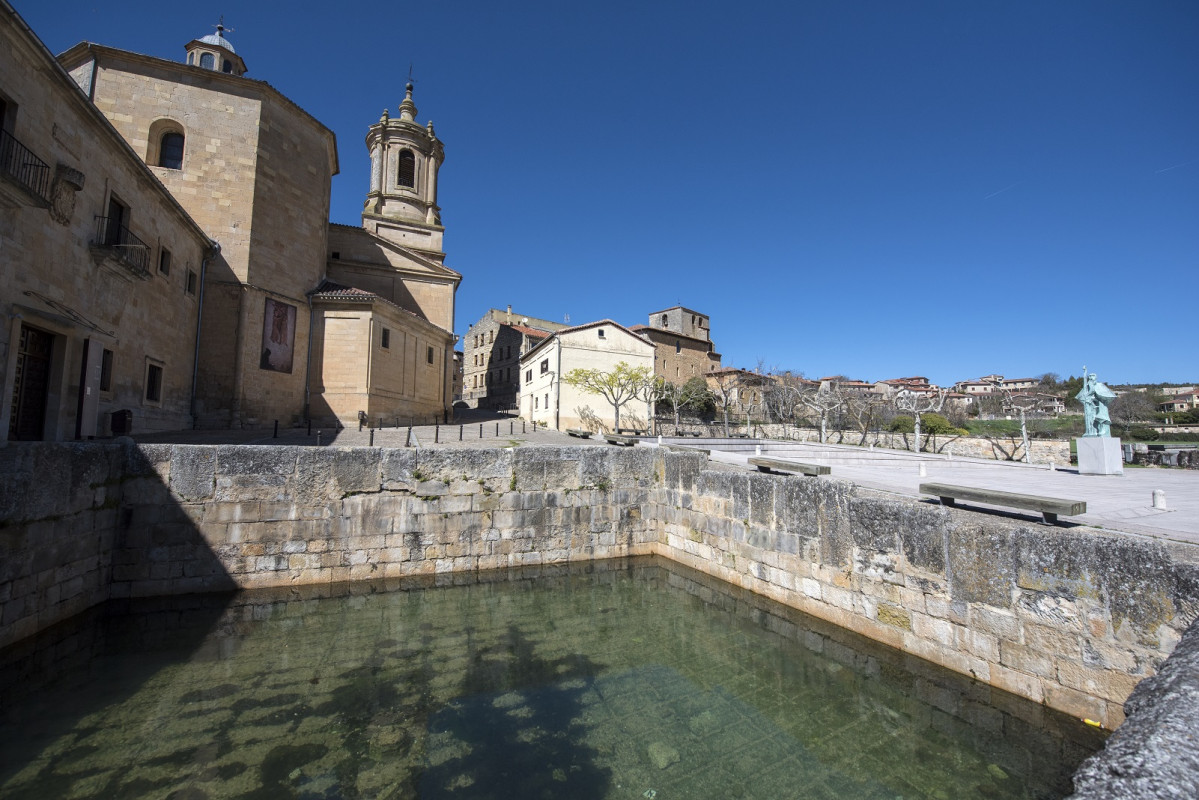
(26, 177)
(112, 241)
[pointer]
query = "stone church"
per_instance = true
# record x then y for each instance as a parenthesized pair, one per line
(298, 318)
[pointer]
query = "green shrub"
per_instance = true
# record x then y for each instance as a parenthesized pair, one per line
(937, 424)
(903, 425)
(1143, 433)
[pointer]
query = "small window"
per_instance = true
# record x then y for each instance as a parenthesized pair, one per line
(191, 59)
(406, 173)
(529, 375)
(170, 150)
(545, 366)
(207, 61)
(664, 325)
(678, 346)
(227, 66)
(106, 371)
(164, 261)
(385, 340)
(492, 338)
(429, 354)
(192, 280)
(536, 402)
(547, 400)
(336, 255)
(601, 333)
(153, 383)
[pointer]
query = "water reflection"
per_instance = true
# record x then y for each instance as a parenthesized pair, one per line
(634, 679)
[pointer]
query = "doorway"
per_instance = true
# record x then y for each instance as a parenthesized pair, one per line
(31, 385)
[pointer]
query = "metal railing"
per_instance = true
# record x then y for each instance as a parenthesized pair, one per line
(19, 163)
(126, 248)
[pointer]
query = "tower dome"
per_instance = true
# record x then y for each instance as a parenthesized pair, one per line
(215, 52)
(405, 158)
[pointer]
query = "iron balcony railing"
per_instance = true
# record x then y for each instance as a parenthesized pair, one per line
(123, 245)
(19, 163)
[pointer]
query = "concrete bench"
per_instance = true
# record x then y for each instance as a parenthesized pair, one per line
(579, 432)
(633, 431)
(623, 441)
(779, 465)
(1049, 507)
(686, 448)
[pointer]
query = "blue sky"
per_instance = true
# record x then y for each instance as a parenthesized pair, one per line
(871, 188)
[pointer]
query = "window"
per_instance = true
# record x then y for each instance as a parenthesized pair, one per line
(678, 346)
(227, 66)
(192, 280)
(170, 150)
(536, 402)
(429, 354)
(529, 375)
(106, 371)
(207, 61)
(164, 261)
(509, 375)
(601, 333)
(492, 337)
(547, 400)
(406, 172)
(489, 378)
(664, 323)
(386, 339)
(191, 59)
(153, 392)
(336, 255)
(545, 366)
(118, 218)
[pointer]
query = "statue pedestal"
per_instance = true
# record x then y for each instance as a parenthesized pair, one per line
(1099, 455)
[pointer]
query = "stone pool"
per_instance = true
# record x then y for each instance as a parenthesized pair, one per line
(630, 679)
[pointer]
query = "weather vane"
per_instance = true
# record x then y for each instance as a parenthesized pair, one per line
(220, 26)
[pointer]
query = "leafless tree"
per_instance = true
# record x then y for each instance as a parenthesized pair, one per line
(866, 411)
(918, 403)
(679, 395)
(1020, 404)
(823, 401)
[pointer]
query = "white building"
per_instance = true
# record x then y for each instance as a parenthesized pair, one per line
(544, 398)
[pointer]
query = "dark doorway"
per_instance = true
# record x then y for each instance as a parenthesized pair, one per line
(31, 387)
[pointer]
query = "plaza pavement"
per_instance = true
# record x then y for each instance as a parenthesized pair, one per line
(1116, 502)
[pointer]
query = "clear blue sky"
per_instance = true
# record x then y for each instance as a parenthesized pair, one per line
(871, 188)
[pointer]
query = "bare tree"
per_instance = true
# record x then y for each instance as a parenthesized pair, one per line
(1019, 404)
(919, 403)
(782, 396)
(726, 389)
(866, 411)
(823, 401)
(679, 395)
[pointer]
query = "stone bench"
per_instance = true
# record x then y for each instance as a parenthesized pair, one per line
(1049, 507)
(633, 431)
(779, 465)
(623, 441)
(686, 448)
(581, 433)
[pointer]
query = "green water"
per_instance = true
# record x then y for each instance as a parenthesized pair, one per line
(639, 680)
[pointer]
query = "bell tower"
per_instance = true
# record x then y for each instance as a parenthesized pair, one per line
(402, 202)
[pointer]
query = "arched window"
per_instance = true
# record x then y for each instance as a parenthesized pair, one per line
(406, 174)
(207, 61)
(191, 59)
(227, 66)
(170, 151)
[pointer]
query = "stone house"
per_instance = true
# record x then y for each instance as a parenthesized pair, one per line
(101, 265)
(545, 399)
(682, 343)
(742, 391)
(492, 351)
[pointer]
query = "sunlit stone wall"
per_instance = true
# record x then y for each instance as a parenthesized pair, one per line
(1072, 617)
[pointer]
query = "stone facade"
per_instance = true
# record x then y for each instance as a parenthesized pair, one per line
(1044, 451)
(100, 317)
(255, 172)
(682, 342)
(1071, 618)
(491, 356)
(546, 399)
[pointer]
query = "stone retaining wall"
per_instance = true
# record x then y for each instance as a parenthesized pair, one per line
(1070, 617)
(1044, 451)
(1186, 459)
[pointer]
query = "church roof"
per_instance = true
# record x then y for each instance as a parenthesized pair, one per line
(218, 40)
(330, 290)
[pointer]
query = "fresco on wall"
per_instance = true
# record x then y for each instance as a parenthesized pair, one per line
(278, 336)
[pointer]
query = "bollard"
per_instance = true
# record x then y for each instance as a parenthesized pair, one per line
(1052, 466)
(408, 441)
(757, 449)
(436, 433)
(318, 438)
(923, 472)
(522, 426)
(460, 432)
(659, 440)
(511, 427)
(276, 436)
(1159, 499)
(480, 430)
(497, 429)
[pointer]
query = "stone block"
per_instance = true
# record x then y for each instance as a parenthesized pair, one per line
(1099, 455)
(193, 471)
(983, 559)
